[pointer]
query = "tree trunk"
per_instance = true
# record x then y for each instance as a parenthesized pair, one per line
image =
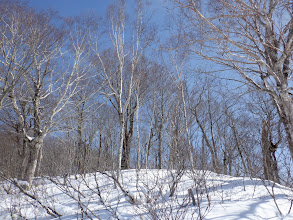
(174, 156)
(125, 163)
(40, 157)
(190, 148)
(225, 162)
(148, 146)
(34, 149)
(239, 146)
(160, 153)
(122, 128)
(81, 145)
(268, 153)
(211, 146)
(22, 156)
(125, 149)
(151, 134)
(203, 157)
(99, 151)
(285, 108)
(138, 136)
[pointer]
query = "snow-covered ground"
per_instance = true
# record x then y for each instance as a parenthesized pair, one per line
(147, 195)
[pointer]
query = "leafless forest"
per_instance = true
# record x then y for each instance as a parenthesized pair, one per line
(209, 89)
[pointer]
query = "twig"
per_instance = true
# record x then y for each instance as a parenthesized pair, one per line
(126, 193)
(48, 209)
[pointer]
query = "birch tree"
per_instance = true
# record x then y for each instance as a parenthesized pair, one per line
(251, 38)
(118, 68)
(14, 57)
(178, 59)
(157, 105)
(38, 104)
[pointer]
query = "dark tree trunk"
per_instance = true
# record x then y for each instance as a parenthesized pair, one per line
(99, 151)
(225, 162)
(128, 133)
(269, 158)
(160, 153)
(81, 151)
(22, 154)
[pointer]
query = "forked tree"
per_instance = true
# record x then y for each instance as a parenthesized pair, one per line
(118, 67)
(37, 104)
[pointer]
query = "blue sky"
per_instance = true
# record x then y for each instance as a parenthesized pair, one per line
(77, 7)
(72, 7)
(155, 10)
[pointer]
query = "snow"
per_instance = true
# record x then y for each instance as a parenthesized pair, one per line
(94, 196)
(23, 183)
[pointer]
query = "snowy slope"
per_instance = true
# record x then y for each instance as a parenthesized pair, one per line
(146, 195)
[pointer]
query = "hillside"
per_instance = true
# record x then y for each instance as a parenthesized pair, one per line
(147, 195)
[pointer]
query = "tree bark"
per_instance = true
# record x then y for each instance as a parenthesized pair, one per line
(138, 135)
(160, 132)
(268, 154)
(40, 158)
(160, 150)
(34, 149)
(125, 163)
(120, 149)
(285, 108)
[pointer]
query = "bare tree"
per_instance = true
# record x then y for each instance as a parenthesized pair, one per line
(38, 103)
(15, 59)
(252, 38)
(205, 114)
(118, 67)
(178, 59)
(159, 112)
(271, 135)
(87, 125)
